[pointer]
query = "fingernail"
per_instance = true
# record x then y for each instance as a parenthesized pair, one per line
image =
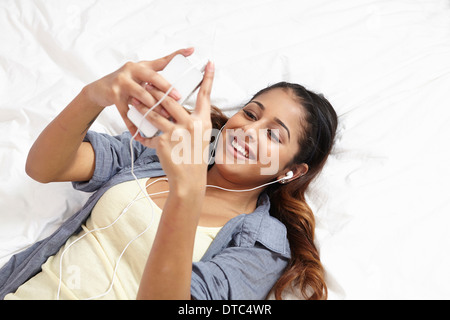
(135, 102)
(175, 94)
(210, 66)
(164, 113)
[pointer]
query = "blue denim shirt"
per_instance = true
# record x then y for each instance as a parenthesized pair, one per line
(244, 261)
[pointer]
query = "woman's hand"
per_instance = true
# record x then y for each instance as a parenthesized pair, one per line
(169, 264)
(126, 86)
(183, 147)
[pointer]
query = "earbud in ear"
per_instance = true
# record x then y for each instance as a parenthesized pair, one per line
(288, 175)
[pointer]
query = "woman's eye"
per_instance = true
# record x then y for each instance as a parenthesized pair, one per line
(272, 135)
(249, 114)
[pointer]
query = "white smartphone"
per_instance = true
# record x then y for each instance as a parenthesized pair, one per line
(185, 77)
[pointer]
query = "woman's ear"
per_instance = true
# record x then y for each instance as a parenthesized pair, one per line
(298, 170)
(302, 169)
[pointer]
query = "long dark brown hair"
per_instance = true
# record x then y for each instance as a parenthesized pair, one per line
(288, 204)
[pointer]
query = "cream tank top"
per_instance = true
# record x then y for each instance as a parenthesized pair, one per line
(89, 260)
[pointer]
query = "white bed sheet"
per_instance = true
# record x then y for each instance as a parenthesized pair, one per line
(383, 225)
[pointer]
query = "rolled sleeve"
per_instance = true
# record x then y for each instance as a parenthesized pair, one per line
(112, 154)
(238, 273)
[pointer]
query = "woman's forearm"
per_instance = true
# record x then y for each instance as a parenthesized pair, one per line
(57, 145)
(167, 274)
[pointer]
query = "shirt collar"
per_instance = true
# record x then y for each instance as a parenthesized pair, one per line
(246, 230)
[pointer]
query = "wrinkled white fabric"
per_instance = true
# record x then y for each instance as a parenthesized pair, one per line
(381, 202)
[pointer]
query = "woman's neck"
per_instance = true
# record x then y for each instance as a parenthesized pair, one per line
(242, 202)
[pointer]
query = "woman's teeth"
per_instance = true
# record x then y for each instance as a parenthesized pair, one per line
(238, 148)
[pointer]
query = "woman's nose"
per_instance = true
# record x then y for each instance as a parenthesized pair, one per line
(248, 132)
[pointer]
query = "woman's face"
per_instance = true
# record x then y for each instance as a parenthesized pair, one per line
(261, 139)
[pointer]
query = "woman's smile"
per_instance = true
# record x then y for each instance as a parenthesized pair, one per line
(239, 148)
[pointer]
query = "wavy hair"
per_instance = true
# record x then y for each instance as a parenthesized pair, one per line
(304, 270)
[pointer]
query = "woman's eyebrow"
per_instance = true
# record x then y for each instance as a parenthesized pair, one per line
(261, 106)
(284, 126)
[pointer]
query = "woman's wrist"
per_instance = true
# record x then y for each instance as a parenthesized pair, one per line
(87, 96)
(186, 184)
(183, 207)
(187, 191)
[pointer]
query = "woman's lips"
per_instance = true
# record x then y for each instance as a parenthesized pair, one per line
(240, 149)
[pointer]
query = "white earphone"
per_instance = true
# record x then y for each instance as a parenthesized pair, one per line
(289, 175)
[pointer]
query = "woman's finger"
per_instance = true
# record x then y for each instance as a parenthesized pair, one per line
(160, 122)
(146, 71)
(122, 107)
(142, 108)
(161, 63)
(174, 109)
(203, 104)
(145, 74)
(137, 91)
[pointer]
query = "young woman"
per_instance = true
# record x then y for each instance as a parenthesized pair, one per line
(223, 231)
